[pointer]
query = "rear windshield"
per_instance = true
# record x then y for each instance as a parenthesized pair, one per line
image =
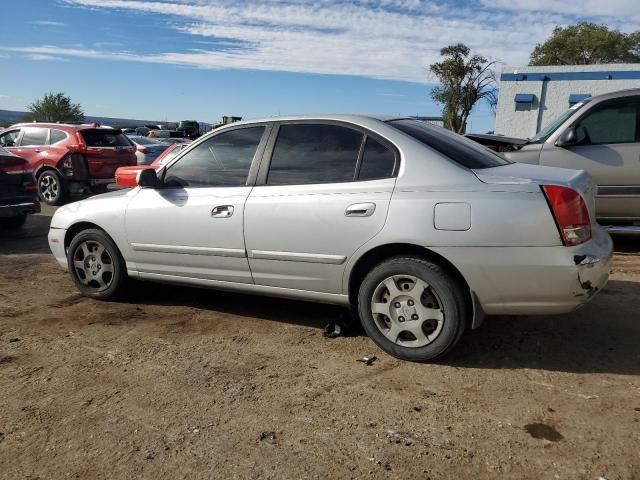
(105, 138)
(461, 150)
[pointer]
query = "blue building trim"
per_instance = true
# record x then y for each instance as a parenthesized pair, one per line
(524, 98)
(578, 97)
(568, 76)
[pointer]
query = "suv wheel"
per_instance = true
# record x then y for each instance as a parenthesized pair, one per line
(50, 188)
(412, 308)
(96, 266)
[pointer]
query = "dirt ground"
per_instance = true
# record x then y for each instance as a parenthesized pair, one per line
(188, 383)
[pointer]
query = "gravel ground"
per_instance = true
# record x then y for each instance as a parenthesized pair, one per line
(188, 383)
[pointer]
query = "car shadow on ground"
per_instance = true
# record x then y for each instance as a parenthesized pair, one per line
(598, 338)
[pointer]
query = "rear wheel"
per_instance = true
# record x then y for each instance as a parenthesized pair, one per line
(96, 266)
(412, 308)
(51, 188)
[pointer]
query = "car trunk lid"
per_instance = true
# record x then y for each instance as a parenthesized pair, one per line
(524, 174)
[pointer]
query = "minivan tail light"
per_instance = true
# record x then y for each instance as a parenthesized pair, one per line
(570, 213)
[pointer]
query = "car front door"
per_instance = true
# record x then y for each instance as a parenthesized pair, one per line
(192, 226)
(608, 147)
(323, 191)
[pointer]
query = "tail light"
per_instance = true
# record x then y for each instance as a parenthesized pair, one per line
(570, 213)
(143, 150)
(80, 146)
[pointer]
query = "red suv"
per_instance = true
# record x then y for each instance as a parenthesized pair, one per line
(69, 158)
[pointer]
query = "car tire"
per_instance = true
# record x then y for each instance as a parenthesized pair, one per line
(51, 188)
(14, 222)
(96, 265)
(413, 308)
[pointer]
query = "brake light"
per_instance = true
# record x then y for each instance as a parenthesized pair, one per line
(143, 150)
(79, 147)
(570, 213)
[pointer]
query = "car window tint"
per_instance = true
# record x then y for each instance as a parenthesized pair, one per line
(377, 161)
(34, 136)
(308, 154)
(223, 160)
(57, 136)
(172, 154)
(457, 148)
(9, 139)
(105, 138)
(611, 124)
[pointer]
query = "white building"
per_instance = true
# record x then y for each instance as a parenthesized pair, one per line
(530, 97)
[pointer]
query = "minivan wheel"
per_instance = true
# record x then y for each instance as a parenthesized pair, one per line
(50, 188)
(412, 308)
(96, 266)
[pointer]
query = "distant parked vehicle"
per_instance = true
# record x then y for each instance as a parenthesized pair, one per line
(69, 158)
(421, 231)
(189, 129)
(18, 195)
(600, 135)
(147, 149)
(126, 176)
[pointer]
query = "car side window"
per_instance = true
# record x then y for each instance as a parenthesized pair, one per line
(377, 162)
(9, 139)
(313, 154)
(57, 136)
(220, 161)
(34, 136)
(614, 123)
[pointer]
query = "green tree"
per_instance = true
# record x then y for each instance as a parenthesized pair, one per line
(587, 44)
(55, 107)
(465, 79)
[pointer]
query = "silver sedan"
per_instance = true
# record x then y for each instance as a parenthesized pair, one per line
(420, 231)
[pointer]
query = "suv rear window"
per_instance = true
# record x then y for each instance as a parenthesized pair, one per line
(105, 138)
(461, 150)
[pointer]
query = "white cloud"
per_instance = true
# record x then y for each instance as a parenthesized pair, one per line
(39, 57)
(390, 39)
(48, 23)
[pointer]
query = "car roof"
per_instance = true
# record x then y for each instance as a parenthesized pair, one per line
(339, 117)
(61, 126)
(631, 92)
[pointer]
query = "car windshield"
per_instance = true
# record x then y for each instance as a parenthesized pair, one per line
(105, 138)
(546, 132)
(146, 141)
(453, 146)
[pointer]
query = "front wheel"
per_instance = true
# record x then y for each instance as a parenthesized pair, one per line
(412, 308)
(96, 266)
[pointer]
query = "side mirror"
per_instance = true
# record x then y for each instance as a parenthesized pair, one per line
(569, 137)
(148, 178)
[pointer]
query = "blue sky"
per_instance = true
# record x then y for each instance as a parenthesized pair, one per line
(178, 59)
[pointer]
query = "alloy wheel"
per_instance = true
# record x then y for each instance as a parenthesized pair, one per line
(407, 311)
(93, 265)
(49, 188)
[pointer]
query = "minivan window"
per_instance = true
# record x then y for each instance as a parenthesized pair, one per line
(610, 124)
(314, 153)
(377, 161)
(105, 138)
(457, 148)
(34, 136)
(220, 161)
(57, 136)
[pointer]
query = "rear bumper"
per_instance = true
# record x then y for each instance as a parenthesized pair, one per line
(535, 280)
(18, 209)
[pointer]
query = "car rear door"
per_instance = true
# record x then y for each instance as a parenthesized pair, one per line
(608, 147)
(192, 227)
(323, 191)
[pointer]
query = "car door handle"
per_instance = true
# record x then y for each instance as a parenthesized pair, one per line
(360, 210)
(222, 211)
